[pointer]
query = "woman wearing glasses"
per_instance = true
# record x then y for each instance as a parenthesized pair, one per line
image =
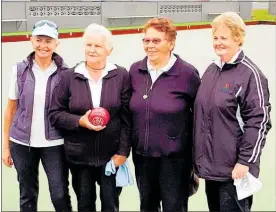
(96, 82)
(28, 135)
(164, 89)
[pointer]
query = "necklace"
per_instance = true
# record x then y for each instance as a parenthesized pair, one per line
(94, 68)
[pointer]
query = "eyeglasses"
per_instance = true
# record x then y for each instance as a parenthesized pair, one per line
(155, 41)
(43, 22)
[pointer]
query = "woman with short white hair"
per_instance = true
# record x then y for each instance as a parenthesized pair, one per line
(94, 83)
(231, 117)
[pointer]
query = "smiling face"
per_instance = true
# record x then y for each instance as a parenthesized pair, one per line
(96, 50)
(224, 43)
(156, 45)
(44, 46)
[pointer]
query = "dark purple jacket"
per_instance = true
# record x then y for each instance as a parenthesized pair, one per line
(161, 125)
(22, 122)
(72, 99)
(231, 119)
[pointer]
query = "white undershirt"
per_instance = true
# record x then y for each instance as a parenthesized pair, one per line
(37, 138)
(154, 74)
(95, 86)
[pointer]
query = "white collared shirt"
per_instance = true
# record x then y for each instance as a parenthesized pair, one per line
(37, 138)
(154, 74)
(95, 87)
(221, 64)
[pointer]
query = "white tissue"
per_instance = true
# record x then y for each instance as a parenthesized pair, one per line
(247, 186)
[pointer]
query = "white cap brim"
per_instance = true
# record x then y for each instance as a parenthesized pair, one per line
(46, 30)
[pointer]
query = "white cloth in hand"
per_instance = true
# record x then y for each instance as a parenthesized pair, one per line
(247, 186)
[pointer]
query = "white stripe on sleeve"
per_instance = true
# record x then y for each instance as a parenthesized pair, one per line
(256, 150)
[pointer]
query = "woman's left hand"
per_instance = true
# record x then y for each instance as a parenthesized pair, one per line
(118, 160)
(239, 171)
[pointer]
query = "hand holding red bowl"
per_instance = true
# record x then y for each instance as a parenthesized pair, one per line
(95, 119)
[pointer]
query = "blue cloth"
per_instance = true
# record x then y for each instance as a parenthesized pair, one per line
(123, 175)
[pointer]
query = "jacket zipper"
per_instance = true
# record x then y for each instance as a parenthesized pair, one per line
(96, 160)
(31, 72)
(50, 96)
(207, 116)
(147, 113)
(47, 108)
(147, 99)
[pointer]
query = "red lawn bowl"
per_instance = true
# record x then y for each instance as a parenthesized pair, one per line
(99, 116)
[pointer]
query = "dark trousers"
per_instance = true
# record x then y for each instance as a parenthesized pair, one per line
(84, 179)
(162, 179)
(26, 162)
(222, 196)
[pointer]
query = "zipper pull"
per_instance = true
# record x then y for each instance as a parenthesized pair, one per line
(145, 96)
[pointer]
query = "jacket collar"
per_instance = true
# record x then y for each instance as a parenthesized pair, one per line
(172, 71)
(230, 64)
(56, 58)
(165, 68)
(112, 71)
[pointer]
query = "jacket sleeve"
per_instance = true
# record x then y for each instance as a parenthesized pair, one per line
(59, 114)
(254, 109)
(126, 117)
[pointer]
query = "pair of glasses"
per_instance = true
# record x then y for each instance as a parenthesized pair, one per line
(155, 41)
(43, 22)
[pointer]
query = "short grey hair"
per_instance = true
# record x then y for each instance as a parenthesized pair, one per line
(96, 29)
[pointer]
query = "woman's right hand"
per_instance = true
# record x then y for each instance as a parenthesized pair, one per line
(6, 157)
(84, 122)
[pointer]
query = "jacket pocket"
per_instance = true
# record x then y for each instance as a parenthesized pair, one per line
(74, 151)
(19, 115)
(173, 144)
(226, 155)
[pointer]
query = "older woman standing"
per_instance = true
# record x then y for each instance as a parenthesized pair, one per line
(164, 89)
(94, 83)
(28, 135)
(231, 117)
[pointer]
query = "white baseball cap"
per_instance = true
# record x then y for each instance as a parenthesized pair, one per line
(45, 27)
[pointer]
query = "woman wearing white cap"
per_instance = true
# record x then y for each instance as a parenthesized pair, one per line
(28, 135)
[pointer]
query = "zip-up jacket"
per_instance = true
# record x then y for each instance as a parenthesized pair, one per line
(72, 99)
(231, 119)
(161, 111)
(22, 122)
